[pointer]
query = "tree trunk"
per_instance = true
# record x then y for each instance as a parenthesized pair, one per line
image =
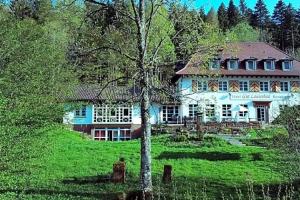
(145, 176)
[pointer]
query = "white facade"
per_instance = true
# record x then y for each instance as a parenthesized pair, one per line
(261, 106)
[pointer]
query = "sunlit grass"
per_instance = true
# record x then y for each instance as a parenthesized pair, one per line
(68, 155)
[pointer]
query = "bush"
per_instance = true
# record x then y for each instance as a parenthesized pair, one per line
(269, 132)
(180, 138)
(257, 156)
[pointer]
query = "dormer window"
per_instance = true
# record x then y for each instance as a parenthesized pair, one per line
(287, 65)
(269, 65)
(215, 64)
(232, 64)
(251, 64)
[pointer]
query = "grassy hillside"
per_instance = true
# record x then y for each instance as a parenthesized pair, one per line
(67, 165)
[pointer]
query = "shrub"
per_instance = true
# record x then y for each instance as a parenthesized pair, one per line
(257, 156)
(180, 138)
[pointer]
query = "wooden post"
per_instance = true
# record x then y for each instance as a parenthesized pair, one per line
(167, 176)
(119, 169)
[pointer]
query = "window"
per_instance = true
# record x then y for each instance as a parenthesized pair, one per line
(287, 65)
(284, 86)
(110, 113)
(251, 65)
(193, 110)
(264, 86)
(232, 64)
(215, 64)
(170, 113)
(125, 134)
(223, 86)
(100, 134)
(117, 134)
(244, 86)
(210, 111)
(226, 110)
(81, 112)
(269, 65)
(243, 113)
(202, 86)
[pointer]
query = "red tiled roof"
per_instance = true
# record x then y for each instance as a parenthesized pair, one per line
(244, 51)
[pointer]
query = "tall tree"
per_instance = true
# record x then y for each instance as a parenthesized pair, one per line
(261, 18)
(290, 29)
(188, 26)
(245, 12)
(223, 17)
(297, 28)
(202, 14)
(211, 17)
(233, 14)
(277, 30)
(141, 47)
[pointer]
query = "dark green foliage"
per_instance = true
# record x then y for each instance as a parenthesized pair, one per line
(245, 12)
(35, 9)
(290, 26)
(278, 30)
(290, 118)
(278, 14)
(202, 14)
(211, 17)
(23, 9)
(223, 17)
(257, 156)
(233, 15)
(186, 30)
(261, 18)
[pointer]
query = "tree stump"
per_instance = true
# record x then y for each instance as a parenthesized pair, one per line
(119, 169)
(167, 176)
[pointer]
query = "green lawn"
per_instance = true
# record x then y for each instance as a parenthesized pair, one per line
(199, 170)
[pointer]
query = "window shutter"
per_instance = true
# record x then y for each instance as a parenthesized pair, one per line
(275, 86)
(194, 86)
(234, 86)
(295, 86)
(254, 86)
(213, 85)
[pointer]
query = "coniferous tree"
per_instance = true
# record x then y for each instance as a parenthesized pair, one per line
(297, 21)
(245, 12)
(290, 28)
(261, 18)
(233, 14)
(243, 8)
(222, 17)
(212, 17)
(277, 29)
(202, 14)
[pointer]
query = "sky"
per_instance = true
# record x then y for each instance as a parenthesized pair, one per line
(207, 4)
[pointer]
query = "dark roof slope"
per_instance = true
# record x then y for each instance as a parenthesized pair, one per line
(244, 51)
(97, 93)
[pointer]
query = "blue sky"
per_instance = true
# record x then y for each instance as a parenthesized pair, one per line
(207, 4)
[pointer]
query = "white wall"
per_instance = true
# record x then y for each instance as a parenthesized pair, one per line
(235, 98)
